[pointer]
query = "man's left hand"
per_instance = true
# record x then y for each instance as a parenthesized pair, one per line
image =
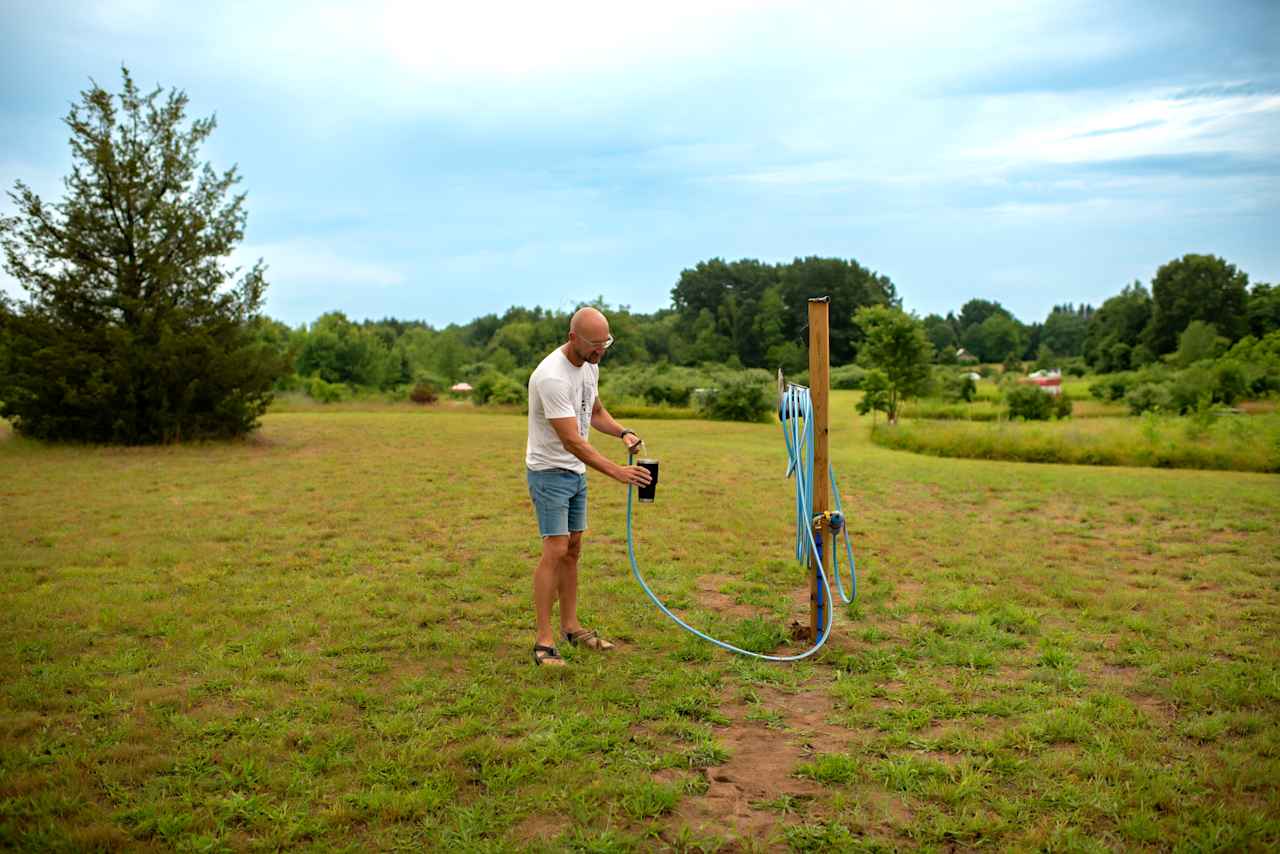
(633, 442)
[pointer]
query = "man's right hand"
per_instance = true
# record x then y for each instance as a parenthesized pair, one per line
(634, 475)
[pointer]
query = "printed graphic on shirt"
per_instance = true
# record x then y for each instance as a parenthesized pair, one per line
(584, 410)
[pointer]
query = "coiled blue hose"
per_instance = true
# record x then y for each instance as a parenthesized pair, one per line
(796, 407)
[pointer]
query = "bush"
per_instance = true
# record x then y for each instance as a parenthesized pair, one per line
(1112, 387)
(1075, 367)
(742, 399)
(1149, 397)
(1192, 388)
(847, 377)
(427, 387)
(495, 388)
(1062, 406)
(956, 387)
(326, 392)
(1029, 402)
(665, 389)
(1229, 381)
(422, 393)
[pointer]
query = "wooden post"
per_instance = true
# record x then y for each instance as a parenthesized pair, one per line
(819, 383)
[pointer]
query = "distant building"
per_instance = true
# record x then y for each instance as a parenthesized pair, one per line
(1050, 382)
(965, 357)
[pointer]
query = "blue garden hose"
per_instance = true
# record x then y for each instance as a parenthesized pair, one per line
(796, 406)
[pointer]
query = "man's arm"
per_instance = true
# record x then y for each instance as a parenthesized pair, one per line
(603, 421)
(567, 430)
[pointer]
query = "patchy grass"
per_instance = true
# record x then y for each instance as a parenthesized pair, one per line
(1233, 442)
(319, 638)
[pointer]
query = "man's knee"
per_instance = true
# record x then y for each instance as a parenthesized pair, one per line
(555, 548)
(574, 547)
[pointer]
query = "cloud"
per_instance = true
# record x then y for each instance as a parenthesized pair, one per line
(1152, 123)
(306, 262)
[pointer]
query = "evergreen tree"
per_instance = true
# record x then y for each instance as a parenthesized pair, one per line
(133, 330)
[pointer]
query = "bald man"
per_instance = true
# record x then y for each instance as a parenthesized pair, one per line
(563, 406)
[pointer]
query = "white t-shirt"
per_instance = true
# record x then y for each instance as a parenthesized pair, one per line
(559, 390)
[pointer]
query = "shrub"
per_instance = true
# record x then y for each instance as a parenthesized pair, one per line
(422, 393)
(1111, 387)
(1029, 402)
(848, 377)
(326, 392)
(289, 382)
(495, 388)
(739, 400)
(1192, 388)
(665, 389)
(957, 386)
(1075, 367)
(1149, 397)
(1229, 381)
(1062, 406)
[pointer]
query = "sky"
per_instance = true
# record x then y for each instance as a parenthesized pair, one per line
(441, 161)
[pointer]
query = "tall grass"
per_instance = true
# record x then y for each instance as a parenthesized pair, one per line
(1239, 443)
(992, 409)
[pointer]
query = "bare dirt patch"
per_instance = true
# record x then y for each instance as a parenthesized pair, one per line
(761, 765)
(541, 827)
(709, 596)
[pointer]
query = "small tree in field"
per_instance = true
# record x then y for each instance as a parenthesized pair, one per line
(133, 329)
(875, 394)
(896, 344)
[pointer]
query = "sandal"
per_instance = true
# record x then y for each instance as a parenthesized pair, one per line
(548, 656)
(589, 639)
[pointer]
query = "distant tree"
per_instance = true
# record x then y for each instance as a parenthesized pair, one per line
(339, 351)
(1264, 309)
(1119, 321)
(1065, 329)
(876, 394)
(1197, 342)
(1031, 339)
(1196, 287)
(134, 329)
(896, 344)
(975, 312)
(995, 338)
(850, 286)
(942, 335)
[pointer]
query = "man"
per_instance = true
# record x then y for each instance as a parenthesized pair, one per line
(562, 408)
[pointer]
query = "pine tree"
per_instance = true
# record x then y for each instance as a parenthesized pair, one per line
(134, 329)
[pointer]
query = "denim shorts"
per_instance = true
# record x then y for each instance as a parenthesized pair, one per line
(559, 501)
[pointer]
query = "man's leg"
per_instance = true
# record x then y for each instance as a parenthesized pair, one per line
(545, 584)
(568, 584)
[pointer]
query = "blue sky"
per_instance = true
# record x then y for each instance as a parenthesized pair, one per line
(440, 161)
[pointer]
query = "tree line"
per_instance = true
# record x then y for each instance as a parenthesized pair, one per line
(749, 314)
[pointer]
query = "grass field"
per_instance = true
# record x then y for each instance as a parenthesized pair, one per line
(319, 639)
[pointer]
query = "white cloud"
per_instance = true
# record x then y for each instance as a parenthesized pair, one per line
(1153, 124)
(312, 262)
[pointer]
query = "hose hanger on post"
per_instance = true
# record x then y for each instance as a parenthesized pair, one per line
(795, 411)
